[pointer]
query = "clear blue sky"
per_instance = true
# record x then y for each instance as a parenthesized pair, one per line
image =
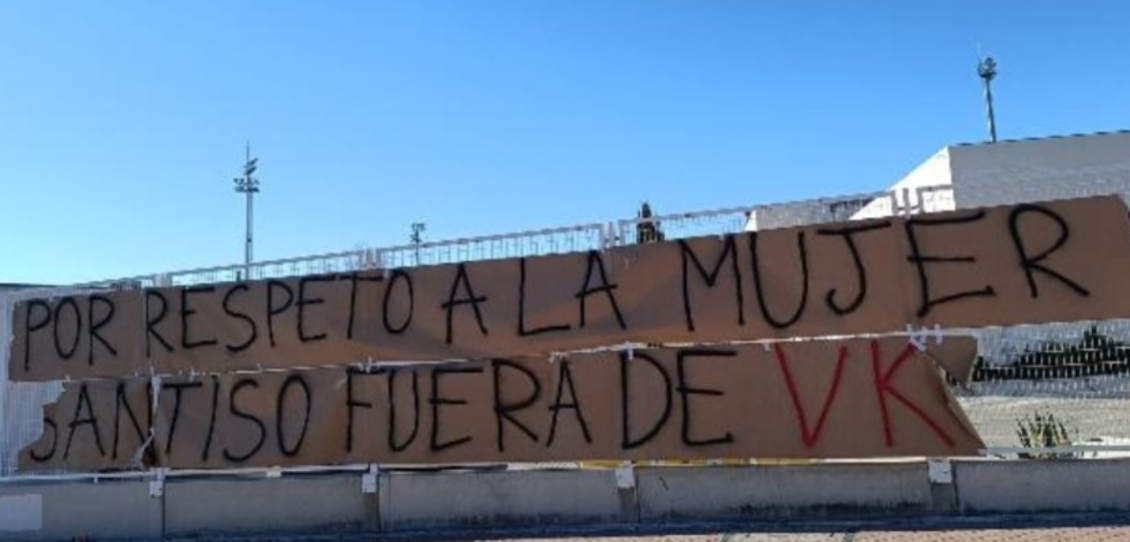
(122, 122)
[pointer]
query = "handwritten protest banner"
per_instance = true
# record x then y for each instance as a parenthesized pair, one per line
(1029, 263)
(852, 398)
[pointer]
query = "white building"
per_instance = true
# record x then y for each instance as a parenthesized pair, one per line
(979, 175)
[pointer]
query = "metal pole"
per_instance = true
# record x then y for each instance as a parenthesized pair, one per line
(248, 251)
(992, 116)
(417, 238)
(248, 186)
(987, 70)
(250, 199)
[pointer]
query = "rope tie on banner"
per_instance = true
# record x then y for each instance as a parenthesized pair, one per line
(921, 338)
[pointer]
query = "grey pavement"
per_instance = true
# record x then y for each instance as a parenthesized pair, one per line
(1073, 534)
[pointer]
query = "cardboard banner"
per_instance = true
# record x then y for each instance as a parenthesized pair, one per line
(1059, 261)
(815, 399)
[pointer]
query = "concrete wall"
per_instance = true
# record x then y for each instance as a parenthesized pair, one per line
(654, 498)
(1014, 488)
(313, 504)
(65, 511)
(412, 501)
(779, 492)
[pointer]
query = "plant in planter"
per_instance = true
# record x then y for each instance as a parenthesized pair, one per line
(1044, 431)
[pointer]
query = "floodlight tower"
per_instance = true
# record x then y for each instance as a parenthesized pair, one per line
(249, 186)
(987, 70)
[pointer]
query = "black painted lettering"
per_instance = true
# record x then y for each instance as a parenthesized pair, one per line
(61, 349)
(927, 301)
(154, 317)
(461, 279)
(729, 251)
(522, 331)
(142, 433)
(280, 414)
(97, 322)
(437, 400)
(186, 313)
(355, 280)
(351, 404)
(79, 420)
(178, 390)
(1031, 264)
(596, 262)
(32, 325)
(305, 301)
(239, 413)
(273, 308)
(847, 233)
(211, 419)
(392, 402)
(628, 442)
(686, 391)
(398, 276)
(504, 410)
(252, 328)
(565, 378)
(802, 249)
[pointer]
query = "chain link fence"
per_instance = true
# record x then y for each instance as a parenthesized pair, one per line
(1078, 373)
(533, 243)
(1072, 379)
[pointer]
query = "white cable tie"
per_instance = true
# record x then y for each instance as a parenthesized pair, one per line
(917, 338)
(155, 390)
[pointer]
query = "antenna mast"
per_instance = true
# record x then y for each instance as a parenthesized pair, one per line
(987, 70)
(249, 186)
(417, 237)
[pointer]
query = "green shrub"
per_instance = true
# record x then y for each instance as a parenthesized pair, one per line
(1043, 431)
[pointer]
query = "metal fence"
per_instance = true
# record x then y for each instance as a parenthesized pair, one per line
(1077, 372)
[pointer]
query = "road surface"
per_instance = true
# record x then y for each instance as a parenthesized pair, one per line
(1057, 534)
